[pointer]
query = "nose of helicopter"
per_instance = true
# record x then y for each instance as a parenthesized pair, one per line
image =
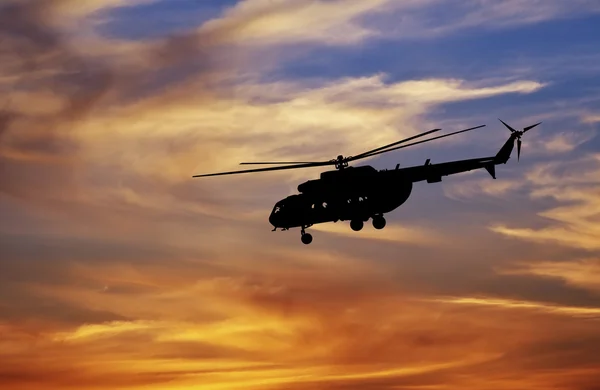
(273, 219)
(275, 216)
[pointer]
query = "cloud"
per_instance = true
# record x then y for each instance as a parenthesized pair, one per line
(273, 22)
(428, 22)
(302, 331)
(39, 57)
(573, 224)
(391, 233)
(571, 186)
(592, 312)
(472, 188)
(582, 273)
(566, 141)
(511, 12)
(280, 318)
(257, 121)
(57, 86)
(102, 113)
(262, 118)
(154, 155)
(283, 22)
(591, 119)
(73, 9)
(454, 90)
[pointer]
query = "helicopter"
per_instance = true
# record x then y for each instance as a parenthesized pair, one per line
(360, 193)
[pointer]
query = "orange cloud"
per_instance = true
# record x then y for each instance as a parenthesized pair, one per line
(511, 304)
(119, 271)
(289, 320)
(336, 331)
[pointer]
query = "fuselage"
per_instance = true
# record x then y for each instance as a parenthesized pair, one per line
(355, 193)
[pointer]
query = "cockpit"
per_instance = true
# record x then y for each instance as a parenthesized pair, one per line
(301, 210)
(287, 210)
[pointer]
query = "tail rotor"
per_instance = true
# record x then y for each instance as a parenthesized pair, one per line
(518, 135)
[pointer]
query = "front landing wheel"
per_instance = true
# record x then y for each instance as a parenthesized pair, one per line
(306, 238)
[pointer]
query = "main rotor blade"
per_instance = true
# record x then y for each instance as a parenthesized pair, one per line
(426, 140)
(318, 164)
(365, 154)
(280, 162)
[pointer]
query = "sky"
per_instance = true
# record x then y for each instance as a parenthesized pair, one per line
(120, 271)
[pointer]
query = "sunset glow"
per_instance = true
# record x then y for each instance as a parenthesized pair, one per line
(120, 271)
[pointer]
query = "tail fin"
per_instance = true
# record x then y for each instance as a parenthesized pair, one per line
(505, 151)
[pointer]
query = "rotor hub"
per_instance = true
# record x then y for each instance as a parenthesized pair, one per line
(517, 135)
(341, 162)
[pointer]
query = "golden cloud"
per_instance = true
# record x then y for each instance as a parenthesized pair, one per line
(582, 273)
(280, 319)
(592, 312)
(301, 336)
(283, 21)
(367, 112)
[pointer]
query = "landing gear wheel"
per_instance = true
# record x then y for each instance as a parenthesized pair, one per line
(356, 225)
(306, 238)
(379, 222)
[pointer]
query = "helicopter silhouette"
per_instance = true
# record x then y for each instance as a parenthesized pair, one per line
(357, 194)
